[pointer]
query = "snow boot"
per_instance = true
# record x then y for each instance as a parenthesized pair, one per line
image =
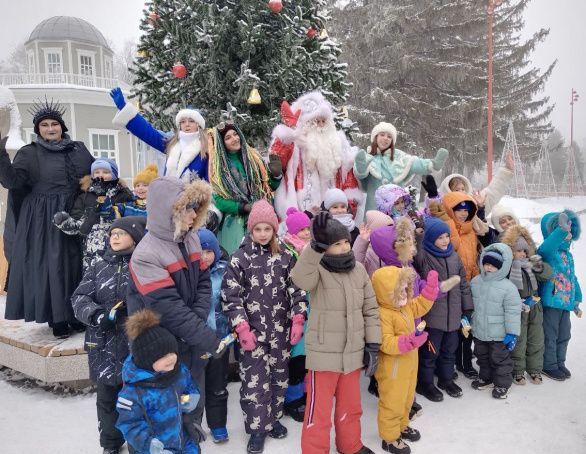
(363, 450)
(373, 387)
(111, 451)
(564, 370)
(295, 409)
(396, 447)
(554, 374)
(416, 410)
(61, 330)
(451, 388)
(219, 435)
(430, 392)
(411, 434)
(279, 431)
(256, 443)
(499, 392)
(519, 379)
(535, 378)
(470, 373)
(481, 384)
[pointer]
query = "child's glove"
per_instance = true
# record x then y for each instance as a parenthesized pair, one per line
(370, 359)
(449, 283)
(431, 289)
(536, 263)
(60, 218)
(577, 310)
(510, 341)
(437, 210)
(297, 328)
(275, 166)
(102, 320)
(157, 447)
(564, 222)
(319, 233)
(118, 98)
(408, 342)
(430, 186)
(246, 337)
(440, 158)
(189, 402)
(193, 428)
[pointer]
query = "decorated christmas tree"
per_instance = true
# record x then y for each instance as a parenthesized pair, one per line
(246, 56)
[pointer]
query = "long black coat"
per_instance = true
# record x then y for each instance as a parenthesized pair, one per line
(45, 265)
(104, 284)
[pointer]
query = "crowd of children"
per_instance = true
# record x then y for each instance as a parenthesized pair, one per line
(313, 300)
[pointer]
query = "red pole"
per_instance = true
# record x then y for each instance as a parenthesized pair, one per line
(490, 11)
(572, 162)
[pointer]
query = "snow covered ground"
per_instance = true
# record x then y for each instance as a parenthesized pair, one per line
(542, 419)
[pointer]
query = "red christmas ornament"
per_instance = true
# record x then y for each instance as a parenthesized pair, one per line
(311, 32)
(153, 18)
(179, 70)
(276, 6)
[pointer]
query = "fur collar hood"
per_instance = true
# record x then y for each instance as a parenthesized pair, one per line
(509, 237)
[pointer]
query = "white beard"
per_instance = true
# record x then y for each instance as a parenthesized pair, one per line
(321, 149)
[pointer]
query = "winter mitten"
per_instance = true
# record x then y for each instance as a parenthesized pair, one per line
(361, 162)
(370, 359)
(118, 98)
(510, 341)
(98, 187)
(60, 218)
(297, 328)
(157, 447)
(244, 208)
(537, 263)
(189, 402)
(193, 428)
(437, 210)
(275, 166)
(431, 289)
(408, 342)
(246, 336)
(319, 233)
(564, 222)
(440, 158)
(449, 283)
(430, 186)
(102, 320)
(577, 310)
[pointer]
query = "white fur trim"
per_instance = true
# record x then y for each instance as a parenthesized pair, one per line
(498, 211)
(285, 195)
(123, 116)
(190, 113)
(497, 188)
(384, 127)
(180, 156)
(312, 105)
(360, 197)
(284, 133)
(445, 188)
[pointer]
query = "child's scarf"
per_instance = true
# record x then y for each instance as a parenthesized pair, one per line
(516, 275)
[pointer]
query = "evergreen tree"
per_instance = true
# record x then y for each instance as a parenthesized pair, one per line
(422, 65)
(229, 48)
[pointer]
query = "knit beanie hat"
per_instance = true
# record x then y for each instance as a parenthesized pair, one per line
(190, 113)
(296, 220)
(105, 164)
(435, 227)
(146, 175)
(521, 244)
(333, 196)
(494, 258)
(376, 219)
(149, 341)
(262, 211)
(134, 225)
(384, 127)
(336, 231)
(209, 242)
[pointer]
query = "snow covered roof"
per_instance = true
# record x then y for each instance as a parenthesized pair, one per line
(67, 27)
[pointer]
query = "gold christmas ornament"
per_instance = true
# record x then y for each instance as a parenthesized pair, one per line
(144, 53)
(254, 97)
(324, 34)
(345, 112)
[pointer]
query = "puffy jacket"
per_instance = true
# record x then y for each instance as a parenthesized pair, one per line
(562, 291)
(150, 407)
(344, 314)
(257, 288)
(497, 304)
(104, 284)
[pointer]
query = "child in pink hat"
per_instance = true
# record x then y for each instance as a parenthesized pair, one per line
(298, 234)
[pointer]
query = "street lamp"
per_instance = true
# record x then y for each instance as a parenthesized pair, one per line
(492, 4)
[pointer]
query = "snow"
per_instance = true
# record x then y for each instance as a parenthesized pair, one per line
(537, 419)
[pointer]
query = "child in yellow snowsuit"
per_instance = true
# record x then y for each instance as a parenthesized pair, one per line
(397, 367)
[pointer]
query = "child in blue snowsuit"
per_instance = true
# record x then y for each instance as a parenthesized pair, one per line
(561, 294)
(157, 391)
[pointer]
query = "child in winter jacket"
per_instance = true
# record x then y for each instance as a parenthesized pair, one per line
(362, 247)
(527, 271)
(561, 294)
(392, 200)
(496, 323)
(336, 203)
(138, 205)
(436, 252)
(216, 370)
(343, 334)
(267, 311)
(93, 211)
(158, 391)
(397, 369)
(99, 302)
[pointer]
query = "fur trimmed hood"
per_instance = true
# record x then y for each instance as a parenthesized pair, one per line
(394, 244)
(498, 211)
(168, 199)
(85, 183)
(549, 223)
(445, 186)
(387, 283)
(451, 199)
(509, 237)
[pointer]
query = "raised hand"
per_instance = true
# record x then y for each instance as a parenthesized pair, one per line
(118, 98)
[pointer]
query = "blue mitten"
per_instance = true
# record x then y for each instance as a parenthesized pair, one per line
(510, 341)
(118, 97)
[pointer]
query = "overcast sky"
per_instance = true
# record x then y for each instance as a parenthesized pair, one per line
(118, 20)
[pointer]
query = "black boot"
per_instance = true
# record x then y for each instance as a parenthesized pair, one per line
(564, 370)
(295, 409)
(61, 330)
(554, 374)
(279, 430)
(451, 388)
(416, 410)
(396, 447)
(111, 451)
(256, 443)
(373, 387)
(430, 392)
(411, 434)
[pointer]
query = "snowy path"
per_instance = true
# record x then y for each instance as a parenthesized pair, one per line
(535, 419)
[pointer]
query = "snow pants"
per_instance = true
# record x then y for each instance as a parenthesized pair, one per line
(494, 362)
(322, 387)
(106, 398)
(528, 354)
(556, 328)
(397, 378)
(464, 352)
(265, 378)
(216, 403)
(438, 355)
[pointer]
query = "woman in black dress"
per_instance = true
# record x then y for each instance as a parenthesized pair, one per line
(43, 179)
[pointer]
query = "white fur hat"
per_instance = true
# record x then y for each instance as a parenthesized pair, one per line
(384, 127)
(498, 211)
(312, 105)
(190, 113)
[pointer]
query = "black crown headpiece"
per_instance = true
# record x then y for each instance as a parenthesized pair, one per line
(42, 110)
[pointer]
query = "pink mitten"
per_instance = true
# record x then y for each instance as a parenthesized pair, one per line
(431, 290)
(246, 336)
(409, 342)
(297, 328)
